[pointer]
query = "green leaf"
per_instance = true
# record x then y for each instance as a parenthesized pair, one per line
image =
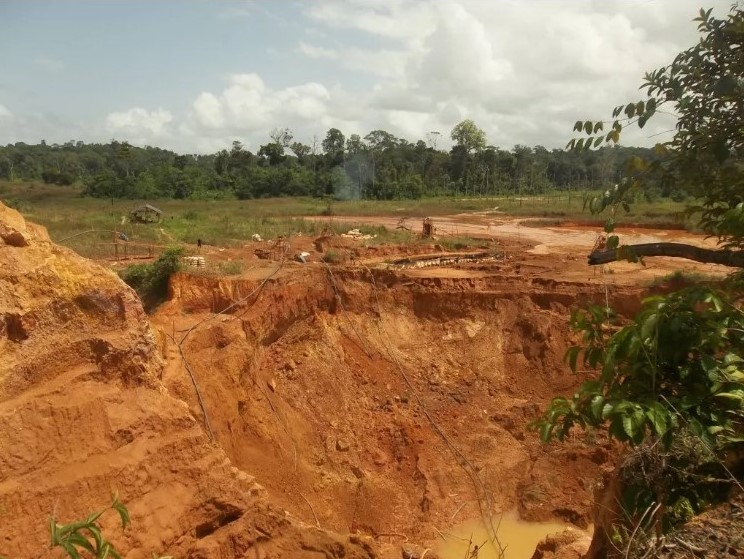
(588, 127)
(598, 141)
(598, 126)
(615, 136)
(612, 242)
(578, 127)
(97, 536)
(648, 326)
(546, 431)
(70, 550)
(735, 397)
(630, 110)
(696, 427)
(572, 356)
(123, 513)
(628, 426)
(93, 517)
(626, 207)
(80, 541)
(658, 416)
(596, 406)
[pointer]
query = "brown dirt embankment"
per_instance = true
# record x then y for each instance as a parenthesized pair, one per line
(83, 413)
(374, 404)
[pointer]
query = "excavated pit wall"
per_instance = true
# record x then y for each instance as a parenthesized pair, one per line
(306, 388)
(83, 414)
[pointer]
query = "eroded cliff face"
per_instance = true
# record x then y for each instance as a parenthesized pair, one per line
(83, 414)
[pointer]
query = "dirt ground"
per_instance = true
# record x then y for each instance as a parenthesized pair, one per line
(396, 402)
(302, 409)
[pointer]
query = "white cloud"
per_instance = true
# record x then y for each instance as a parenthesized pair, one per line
(384, 62)
(4, 112)
(139, 124)
(524, 71)
(391, 19)
(249, 109)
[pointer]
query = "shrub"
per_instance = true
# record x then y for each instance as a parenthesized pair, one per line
(231, 268)
(150, 281)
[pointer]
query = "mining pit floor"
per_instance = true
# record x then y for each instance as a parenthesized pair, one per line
(394, 400)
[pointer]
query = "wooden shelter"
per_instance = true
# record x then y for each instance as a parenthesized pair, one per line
(145, 214)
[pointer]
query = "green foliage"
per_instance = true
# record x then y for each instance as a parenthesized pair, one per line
(703, 86)
(150, 281)
(676, 366)
(469, 136)
(332, 257)
(671, 385)
(85, 538)
(232, 268)
(378, 166)
(671, 382)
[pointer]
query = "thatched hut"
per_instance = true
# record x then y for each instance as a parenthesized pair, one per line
(145, 214)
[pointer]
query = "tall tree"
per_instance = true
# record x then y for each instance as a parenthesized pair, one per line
(333, 147)
(469, 136)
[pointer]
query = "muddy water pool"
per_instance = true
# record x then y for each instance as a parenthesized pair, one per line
(516, 536)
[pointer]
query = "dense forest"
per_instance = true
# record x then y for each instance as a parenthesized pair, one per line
(378, 166)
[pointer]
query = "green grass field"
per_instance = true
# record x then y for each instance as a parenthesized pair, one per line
(229, 223)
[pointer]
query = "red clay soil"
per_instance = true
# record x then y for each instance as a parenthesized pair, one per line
(372, 406)
(357, 399)
(83, 413)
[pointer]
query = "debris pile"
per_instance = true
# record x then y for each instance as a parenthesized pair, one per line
(197, 261)
(358, 235)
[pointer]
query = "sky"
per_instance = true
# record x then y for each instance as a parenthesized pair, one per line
(196, 75)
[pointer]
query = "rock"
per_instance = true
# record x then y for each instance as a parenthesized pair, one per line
(380, 458)
(569, 544)
(342, 445)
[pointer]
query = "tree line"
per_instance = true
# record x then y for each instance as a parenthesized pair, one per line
(377, 166)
